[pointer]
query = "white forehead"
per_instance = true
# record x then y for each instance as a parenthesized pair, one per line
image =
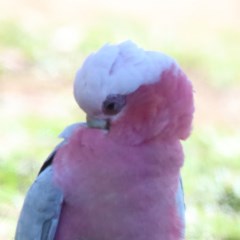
(117, 69)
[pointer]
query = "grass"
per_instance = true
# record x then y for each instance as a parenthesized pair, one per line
(30, 123)
(212, 186)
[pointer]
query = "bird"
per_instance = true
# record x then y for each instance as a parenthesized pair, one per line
(117, 176)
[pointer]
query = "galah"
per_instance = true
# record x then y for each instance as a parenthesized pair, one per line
(117, 176)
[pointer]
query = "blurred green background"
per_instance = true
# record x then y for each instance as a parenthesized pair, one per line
(42, 43)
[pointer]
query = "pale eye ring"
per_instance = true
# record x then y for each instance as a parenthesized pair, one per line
(113, 104)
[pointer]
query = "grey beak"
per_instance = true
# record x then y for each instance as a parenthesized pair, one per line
(97, 123)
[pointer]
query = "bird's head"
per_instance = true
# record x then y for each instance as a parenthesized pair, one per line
(135, 94)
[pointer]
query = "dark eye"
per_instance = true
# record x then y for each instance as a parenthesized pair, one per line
(113, 104)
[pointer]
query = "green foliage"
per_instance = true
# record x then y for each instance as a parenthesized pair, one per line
(111, 28)
(15, 36)
(229, 200)
(211, 180)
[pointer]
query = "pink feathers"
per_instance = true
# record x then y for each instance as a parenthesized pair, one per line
(115, 191)
(121, 183)
(164, 109)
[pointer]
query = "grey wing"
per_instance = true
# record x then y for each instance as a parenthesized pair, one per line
(42, 206)
(41, 209)
(181, 204)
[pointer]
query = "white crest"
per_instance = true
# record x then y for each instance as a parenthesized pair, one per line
(116, 69)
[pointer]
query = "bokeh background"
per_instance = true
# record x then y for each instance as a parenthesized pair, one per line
(42, 43)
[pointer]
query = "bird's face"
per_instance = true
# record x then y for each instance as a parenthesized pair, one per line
(132, 92)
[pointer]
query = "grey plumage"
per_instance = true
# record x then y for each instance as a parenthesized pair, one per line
(41, 209)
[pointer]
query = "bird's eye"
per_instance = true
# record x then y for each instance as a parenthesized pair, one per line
(110, 107)
(113, 104)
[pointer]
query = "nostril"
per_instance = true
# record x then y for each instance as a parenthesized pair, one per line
(113, 104)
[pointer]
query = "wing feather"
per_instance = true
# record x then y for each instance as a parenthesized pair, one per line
(41, 209)
(181, 205)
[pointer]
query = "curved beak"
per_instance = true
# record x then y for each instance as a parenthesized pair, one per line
(98, 123)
